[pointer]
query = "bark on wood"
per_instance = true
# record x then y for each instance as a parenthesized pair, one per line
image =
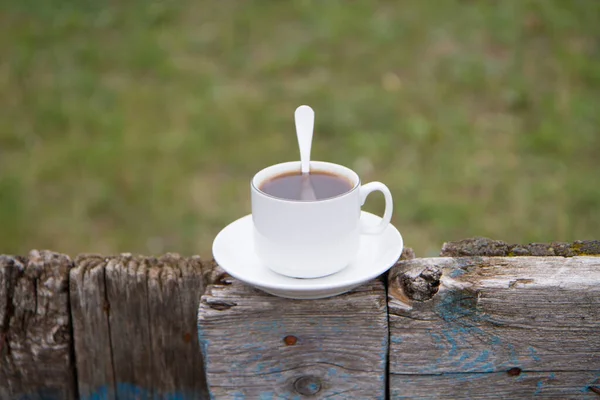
(261, 346)
(490, 315)
(144, 312)
(35, 337)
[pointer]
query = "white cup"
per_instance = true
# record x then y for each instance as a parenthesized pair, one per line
(312, 239)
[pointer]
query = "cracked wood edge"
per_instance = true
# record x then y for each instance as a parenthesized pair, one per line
(494, 314)
(35, 336)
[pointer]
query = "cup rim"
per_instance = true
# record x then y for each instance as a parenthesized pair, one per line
(318, 165)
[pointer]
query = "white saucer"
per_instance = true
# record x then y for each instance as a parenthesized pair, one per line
(233, 250)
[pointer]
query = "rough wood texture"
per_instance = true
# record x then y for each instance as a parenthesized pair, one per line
(491, 315)
(499, 385)
(480, 246)
(135, 327)
(258, 346)
(35, 337)
(91, 329)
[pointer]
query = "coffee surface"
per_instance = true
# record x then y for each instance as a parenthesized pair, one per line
(289, 185)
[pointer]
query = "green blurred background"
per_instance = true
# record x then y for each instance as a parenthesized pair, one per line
(137, 125)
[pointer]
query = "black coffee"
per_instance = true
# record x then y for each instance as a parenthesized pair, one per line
(289, 185)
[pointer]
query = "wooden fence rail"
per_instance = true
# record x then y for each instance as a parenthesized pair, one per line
(485, 320)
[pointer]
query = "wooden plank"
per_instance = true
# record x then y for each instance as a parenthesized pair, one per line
(130, 330)
(175, 285)
(35, 337)
(146, 309)
(259, 346)
(498, 385)
(91, 330)
(488, 315)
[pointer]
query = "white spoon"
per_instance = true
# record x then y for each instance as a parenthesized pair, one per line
(305, 122)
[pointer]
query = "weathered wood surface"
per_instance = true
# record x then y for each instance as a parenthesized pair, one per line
(481, 246)
(134, 322)
(487, 315)
(258, 346)
(463, 327)
(35, 338)
(498, 385)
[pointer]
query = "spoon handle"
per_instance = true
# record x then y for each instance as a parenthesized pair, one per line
(305, 121)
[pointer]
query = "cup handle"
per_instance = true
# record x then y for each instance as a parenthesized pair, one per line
(366, 190)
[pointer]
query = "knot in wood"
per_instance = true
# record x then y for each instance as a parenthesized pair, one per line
(424, 286)
(516, 371)
(290, 340)
(61, 334)
(307, 385)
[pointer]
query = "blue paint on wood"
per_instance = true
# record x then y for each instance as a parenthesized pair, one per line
(465, 323)
(538, 387)
(204, 343)
(130, 391)
(437, 338)
(457, 273)
(384, 352)
(450, 335)
(260, 367)
(239, 396)
(266, 396)
(524, 375)
(479, 363)
(275, 370)
(533, 354)
(483, 357)
(102, 393)
(593, 382)
(397, 339)
(313, 387)
(339, 374)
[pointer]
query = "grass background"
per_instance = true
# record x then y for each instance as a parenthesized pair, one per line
(137, 125)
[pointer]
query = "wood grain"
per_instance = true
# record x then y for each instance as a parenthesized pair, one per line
(129, 320)
(261, 346)
(174, 290)
(90, 308)
(497, 385)
(35, 337)
(539, 314)
(135, 326)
